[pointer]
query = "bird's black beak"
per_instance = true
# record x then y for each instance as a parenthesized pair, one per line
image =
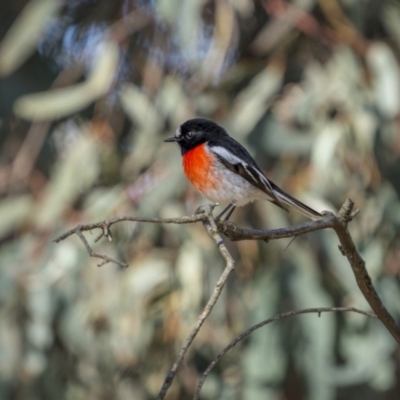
(171, 139)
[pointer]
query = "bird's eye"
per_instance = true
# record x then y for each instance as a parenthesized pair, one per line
(190, 134)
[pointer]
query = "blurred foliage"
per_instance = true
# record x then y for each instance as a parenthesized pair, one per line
(88, 91)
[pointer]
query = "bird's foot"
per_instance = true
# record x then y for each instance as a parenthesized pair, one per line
(206, 208)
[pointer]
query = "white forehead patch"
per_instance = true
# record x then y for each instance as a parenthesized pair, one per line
(178, 132)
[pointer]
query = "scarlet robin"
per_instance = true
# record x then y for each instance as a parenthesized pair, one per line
(222, 170)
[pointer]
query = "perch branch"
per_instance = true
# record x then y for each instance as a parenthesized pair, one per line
(278, 317)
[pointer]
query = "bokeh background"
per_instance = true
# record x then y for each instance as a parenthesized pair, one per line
(88, 91)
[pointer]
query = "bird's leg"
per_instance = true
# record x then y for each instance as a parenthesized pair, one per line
(229, 213)
(230, 208)
(224, 211)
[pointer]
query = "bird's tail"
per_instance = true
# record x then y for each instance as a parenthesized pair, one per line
(297, 204)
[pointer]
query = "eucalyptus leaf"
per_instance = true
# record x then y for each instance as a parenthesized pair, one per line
(23, 36)
(59, 103)
(13, 212)
(78, 171)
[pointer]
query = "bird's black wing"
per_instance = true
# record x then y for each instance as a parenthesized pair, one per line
(236, 158)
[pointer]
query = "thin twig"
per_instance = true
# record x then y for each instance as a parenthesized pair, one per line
(92, 253)
(105, 231)
(212, 231)
(108, 223)
(278, 317)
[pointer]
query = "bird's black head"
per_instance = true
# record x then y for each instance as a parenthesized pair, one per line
(195, 132)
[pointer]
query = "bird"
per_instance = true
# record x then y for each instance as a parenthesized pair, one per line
(223, 171)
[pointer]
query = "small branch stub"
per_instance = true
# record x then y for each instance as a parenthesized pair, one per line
(345, 215)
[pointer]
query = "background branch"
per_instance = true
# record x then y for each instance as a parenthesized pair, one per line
(278, 317)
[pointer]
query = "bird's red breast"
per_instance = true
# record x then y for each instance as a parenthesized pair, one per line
(198, 165)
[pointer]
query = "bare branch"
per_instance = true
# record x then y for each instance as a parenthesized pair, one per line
(278, 317)
(212, 231)
(215, 228)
